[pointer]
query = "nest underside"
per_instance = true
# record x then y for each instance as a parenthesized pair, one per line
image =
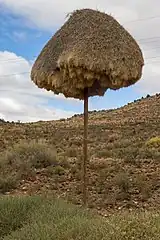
(71, 81)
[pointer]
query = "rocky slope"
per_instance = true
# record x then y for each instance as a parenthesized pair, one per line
(124, 163)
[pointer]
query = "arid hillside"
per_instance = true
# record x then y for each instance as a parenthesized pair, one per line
(124, 153)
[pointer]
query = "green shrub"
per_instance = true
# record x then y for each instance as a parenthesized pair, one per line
(36, 154)
(59, 170)
(123, 182)
(8, 182)
(104, 154)
(31, 219)
(144, 186)
(71, 152)
(150, 153)
(63, 161)
(14, 211)
(153, 142)
(39, 154)
(20, 162)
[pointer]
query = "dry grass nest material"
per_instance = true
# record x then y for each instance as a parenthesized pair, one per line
(90, 50)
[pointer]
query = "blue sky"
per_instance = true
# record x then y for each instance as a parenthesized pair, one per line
(21, 39)
(17, 37)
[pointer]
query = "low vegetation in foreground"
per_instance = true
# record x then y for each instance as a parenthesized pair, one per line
(32, 218)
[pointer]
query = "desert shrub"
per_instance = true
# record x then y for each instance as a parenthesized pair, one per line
(14, 211)
(100, 164)
(62, 119)
(63, 161)
(59, 170)
(71, 152)
(149, 153)
(144, 186)
(122, 143)
(131, 160)
(113, 137)
(37, 154)
(128, 152)
(2, 120)
(30, 218)
(122, 180)
(20, 162)
(104, 153)
(8, 182)
(153, 142)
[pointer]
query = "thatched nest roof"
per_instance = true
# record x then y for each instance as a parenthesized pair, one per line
(90, 50)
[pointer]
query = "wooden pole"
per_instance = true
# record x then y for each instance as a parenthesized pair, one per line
(85, 159)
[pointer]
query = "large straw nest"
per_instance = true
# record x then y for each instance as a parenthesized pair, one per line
(90, 50)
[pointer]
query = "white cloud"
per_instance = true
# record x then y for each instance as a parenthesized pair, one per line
(150, 84)
(20, 99)
(49, 14)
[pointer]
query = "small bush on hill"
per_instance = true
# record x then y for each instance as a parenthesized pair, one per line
(7, 182)
(36, 153)
(22, 160)
(153, 142)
